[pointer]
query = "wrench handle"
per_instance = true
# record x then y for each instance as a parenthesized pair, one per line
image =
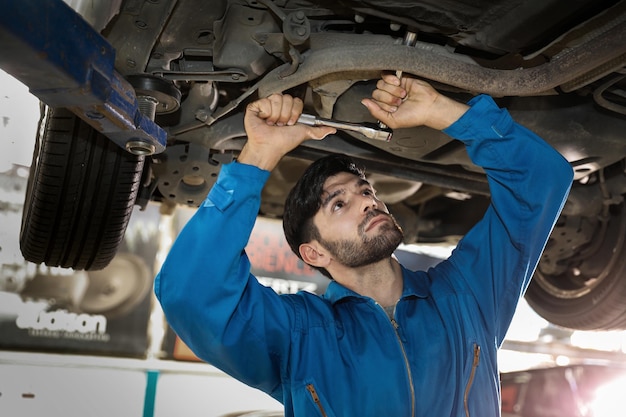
(369, 130)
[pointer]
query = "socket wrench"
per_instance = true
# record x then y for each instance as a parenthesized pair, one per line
(369, 130)
(409, 39)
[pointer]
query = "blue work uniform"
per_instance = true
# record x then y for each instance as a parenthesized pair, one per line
(340, 354)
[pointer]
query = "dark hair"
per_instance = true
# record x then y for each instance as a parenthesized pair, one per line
(305, 198)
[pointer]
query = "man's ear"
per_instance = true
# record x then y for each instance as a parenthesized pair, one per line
(314, 254)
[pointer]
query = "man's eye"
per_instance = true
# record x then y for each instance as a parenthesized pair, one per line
(338, 205)
(368, 192)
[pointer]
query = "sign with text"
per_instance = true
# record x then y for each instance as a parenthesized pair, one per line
(102, 312)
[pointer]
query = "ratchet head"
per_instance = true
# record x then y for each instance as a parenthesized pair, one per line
(376, 132)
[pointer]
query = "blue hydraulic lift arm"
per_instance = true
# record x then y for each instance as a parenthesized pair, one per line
(64, 62)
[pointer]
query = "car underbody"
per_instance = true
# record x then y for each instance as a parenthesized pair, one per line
(558, 67)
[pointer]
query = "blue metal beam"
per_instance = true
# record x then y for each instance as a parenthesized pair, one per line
(65, 63)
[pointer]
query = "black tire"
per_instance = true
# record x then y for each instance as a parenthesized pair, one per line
(80, 195)
(591, 295)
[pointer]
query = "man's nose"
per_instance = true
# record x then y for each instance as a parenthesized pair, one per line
(369, 203)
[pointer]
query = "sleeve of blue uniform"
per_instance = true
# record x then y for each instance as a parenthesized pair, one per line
(206, 290)
(529, 182)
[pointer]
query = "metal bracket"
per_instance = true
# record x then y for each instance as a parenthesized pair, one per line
(65, 63)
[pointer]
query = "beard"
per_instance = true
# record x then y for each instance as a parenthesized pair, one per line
(366, 250)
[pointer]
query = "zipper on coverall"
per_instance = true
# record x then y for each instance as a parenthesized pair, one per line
(396, 326)
(470, 381)
(316, 398)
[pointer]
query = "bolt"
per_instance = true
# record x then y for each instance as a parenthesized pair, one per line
(140, 147)
(202, 115)
(359, 18)
(147, 106)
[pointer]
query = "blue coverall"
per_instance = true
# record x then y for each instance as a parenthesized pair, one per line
(340, 355)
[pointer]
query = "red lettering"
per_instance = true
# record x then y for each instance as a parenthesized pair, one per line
(270, 252)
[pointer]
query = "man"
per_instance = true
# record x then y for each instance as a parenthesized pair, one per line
(383, 340)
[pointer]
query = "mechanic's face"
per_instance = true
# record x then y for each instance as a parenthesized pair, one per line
(354, 225)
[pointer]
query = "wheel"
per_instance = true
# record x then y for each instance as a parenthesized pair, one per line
(590, 294)
(80, 195)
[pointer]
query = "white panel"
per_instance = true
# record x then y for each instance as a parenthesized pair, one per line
(32, 391)
(207, 396)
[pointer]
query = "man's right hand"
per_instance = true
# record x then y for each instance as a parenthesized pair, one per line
(272, 130)
(412, 102)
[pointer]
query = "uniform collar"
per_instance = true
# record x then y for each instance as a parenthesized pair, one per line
(415, 284)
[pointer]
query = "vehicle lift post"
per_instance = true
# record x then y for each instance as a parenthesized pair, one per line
(65, 62)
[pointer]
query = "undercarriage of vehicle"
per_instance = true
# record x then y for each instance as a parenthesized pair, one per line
(558, 67)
